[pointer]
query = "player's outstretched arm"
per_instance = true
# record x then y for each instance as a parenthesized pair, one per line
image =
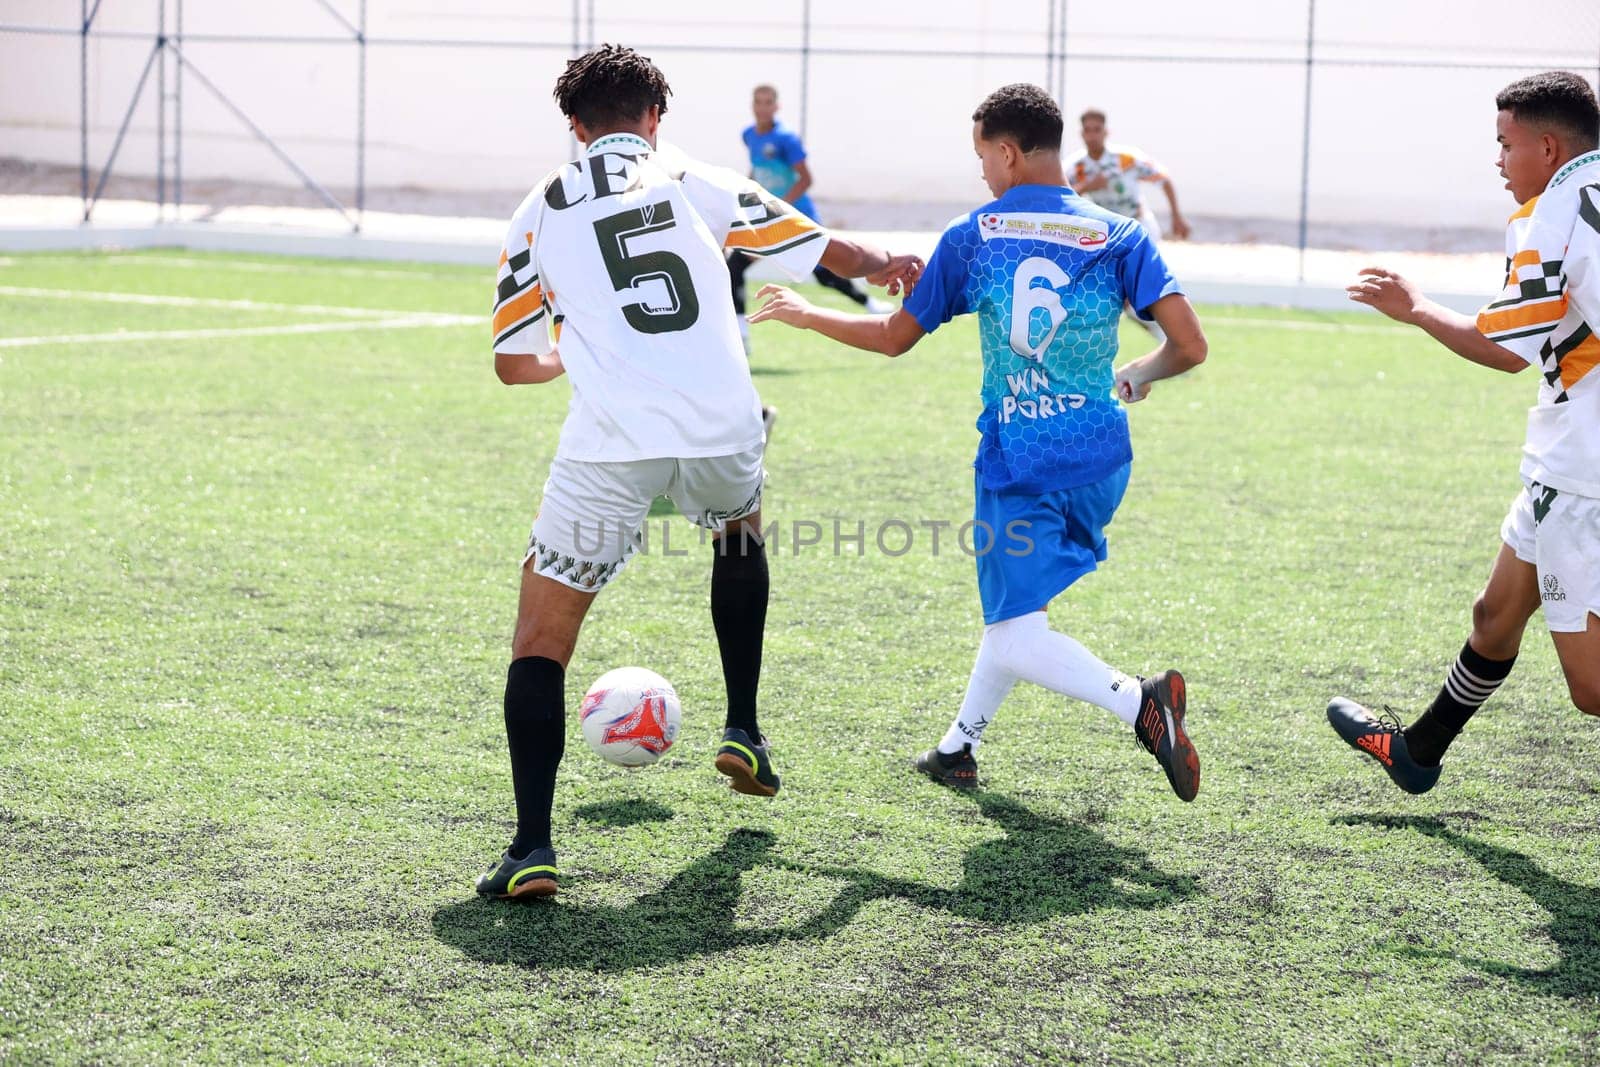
(1180, 225)
(1183, 349)
(852, 259)
(1402, 301)
(890, 334)
(528, 369)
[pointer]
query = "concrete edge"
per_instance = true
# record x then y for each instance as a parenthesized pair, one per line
(317, 244)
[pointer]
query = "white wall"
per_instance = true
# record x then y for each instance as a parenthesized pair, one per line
(1409, 144)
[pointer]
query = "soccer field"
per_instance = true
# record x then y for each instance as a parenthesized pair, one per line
(259, 536)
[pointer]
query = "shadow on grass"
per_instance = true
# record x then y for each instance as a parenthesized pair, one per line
(1042, 867)
(624, 812)
(1574, 909)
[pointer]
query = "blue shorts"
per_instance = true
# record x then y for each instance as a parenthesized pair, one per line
(1031, 546)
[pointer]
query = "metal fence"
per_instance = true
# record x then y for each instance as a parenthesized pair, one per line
(1054, 42)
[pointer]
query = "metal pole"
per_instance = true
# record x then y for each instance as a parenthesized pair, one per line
(1061, 63)
(116, 145)
(177, 120)
(83, 108)
(361, 121)
(1050, 50)
(577, 45)
(805, 65)
(1305, 134)
(261, 135)
(161, 112)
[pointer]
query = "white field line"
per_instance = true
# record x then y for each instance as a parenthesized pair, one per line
(249, 267)
(216, 302)
(404, 323)
(1299, 324)
(129, 259)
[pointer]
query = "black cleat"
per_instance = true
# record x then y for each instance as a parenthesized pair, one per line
(1159, 727)
(1384, 739)
(958, 770)
(747, 764)
(534, 875)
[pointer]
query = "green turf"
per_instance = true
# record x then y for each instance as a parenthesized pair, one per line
(255, 603)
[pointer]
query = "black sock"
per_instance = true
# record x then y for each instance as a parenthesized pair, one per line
(738, 263)
(839, 285)
(1473, 678)
(536, 734)
(739, 613)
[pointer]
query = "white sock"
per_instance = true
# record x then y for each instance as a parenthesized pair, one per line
(986, 690)
(1027, 648)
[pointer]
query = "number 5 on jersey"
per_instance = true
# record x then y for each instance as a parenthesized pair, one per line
(664, 298)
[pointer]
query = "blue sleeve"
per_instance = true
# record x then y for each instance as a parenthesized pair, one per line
(1143, 274)
(941, 292)
(794, 151)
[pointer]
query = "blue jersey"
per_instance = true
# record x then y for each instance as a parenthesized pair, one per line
(773, 156)
(1047, 273)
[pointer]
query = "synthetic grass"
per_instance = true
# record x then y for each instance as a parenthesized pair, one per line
(255, 604)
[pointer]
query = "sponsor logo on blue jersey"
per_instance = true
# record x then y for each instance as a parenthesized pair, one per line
(1047, 274)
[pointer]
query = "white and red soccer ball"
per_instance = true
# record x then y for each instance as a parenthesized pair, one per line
(630, 716)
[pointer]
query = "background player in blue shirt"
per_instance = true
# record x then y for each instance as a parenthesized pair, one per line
(1047, 273)
(778, 164)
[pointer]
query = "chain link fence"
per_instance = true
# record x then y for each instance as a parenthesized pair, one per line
(1300, 122)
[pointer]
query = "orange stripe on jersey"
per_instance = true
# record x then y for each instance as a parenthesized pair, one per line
(1528, 257)
(516, 309)
(1493, 322)
(1580, 361)
(1125, 160)
(785, 229)
(1524, 211)
(503, 258)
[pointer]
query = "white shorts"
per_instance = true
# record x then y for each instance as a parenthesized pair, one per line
(1560, 535)
(592, 516)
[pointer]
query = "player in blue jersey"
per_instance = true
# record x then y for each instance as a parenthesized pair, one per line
(778, 164)
(1047, 273)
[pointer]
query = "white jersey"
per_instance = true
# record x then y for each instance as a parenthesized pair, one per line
(1124, 168)
(618, 258)
(1547, 314)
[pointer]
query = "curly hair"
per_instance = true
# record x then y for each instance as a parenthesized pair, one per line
(611, 85)
(1024, 113)
(1556, 98)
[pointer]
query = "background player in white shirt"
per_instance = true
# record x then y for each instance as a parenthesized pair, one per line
(618, 257)
(1546, 316)
(1111, 174)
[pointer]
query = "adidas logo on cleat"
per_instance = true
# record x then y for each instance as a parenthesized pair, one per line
(1378, 745)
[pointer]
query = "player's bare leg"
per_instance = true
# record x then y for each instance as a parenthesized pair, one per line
(1412, 755)
(739, 588)
(549, 616)
(1501, 612)
(1580, 662)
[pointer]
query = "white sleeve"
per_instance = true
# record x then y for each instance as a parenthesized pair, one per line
(1534, 298)
(521, 312)
(746, 218)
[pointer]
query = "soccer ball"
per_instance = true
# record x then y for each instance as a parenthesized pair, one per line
(630, 716)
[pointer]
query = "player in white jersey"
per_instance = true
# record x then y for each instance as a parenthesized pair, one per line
(1112, 176)
(613, 274)
(1546, 316)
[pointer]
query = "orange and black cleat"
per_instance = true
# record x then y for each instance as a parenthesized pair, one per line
(958, 770)
(1382, 738)
(1159, 726)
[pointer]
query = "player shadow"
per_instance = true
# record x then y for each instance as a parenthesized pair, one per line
(1574, 909)
(1042, 867)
